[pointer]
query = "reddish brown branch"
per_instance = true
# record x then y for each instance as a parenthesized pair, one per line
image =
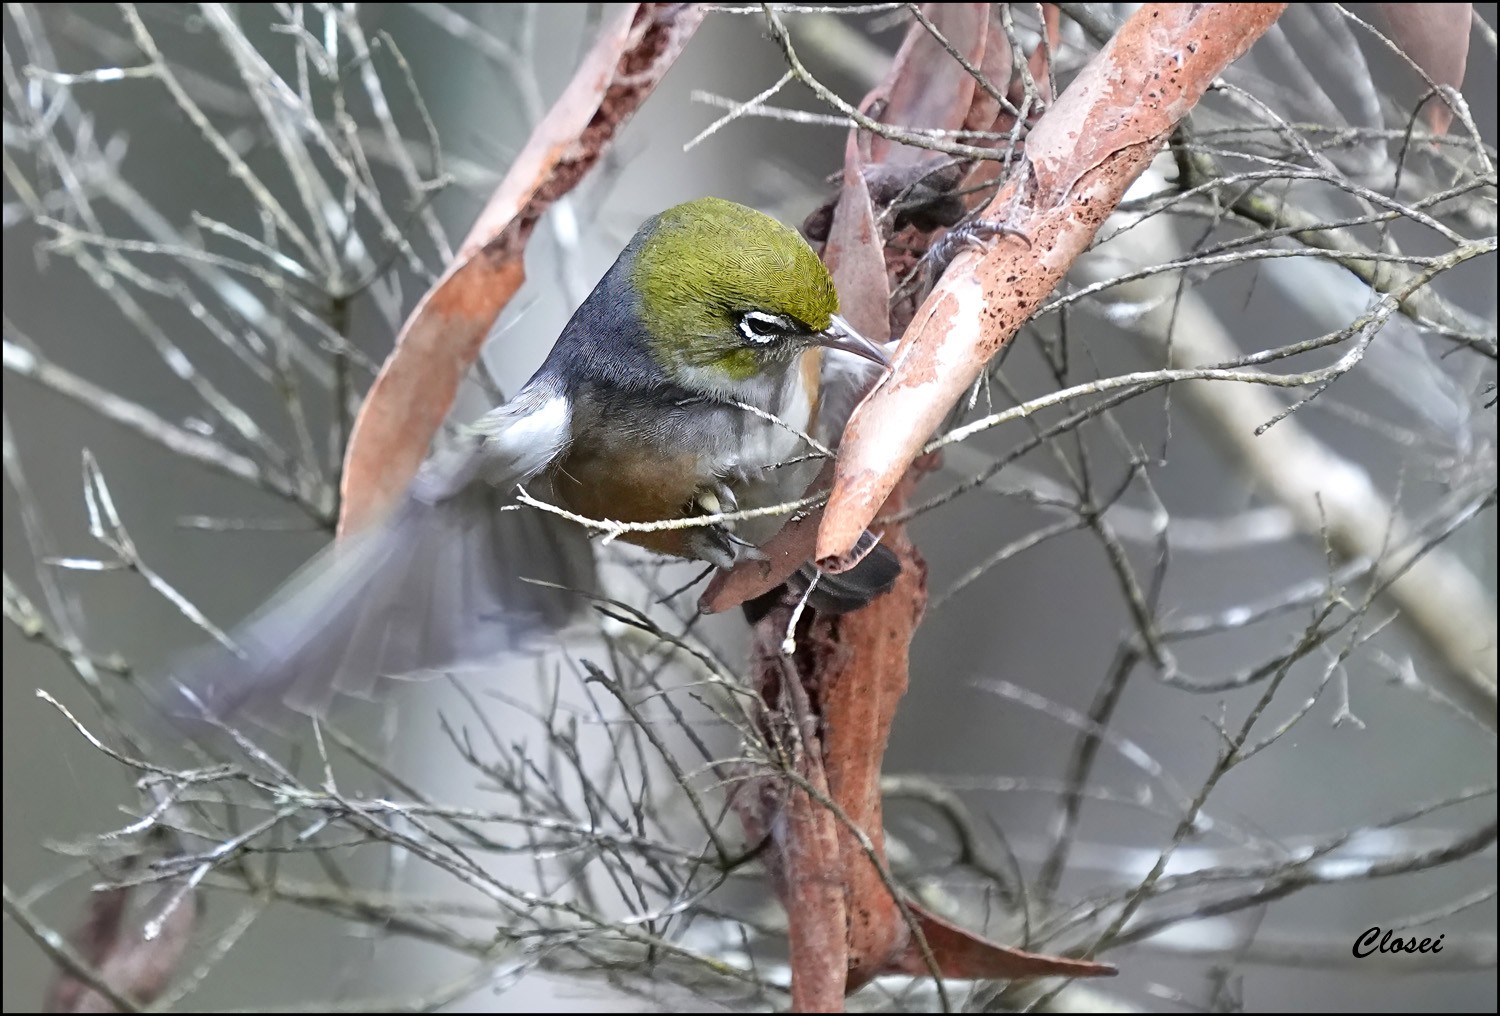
(841, 683)
(1080, 158)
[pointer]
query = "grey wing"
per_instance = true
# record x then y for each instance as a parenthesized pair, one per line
(845, 380)
(440, 583)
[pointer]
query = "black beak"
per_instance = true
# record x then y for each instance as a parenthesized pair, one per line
(841, 335)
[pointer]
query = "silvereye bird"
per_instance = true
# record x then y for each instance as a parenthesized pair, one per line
(687, 383)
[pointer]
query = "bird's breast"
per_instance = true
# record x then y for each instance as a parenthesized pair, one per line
(647, 462)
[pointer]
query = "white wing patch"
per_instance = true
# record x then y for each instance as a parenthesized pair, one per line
(518, 445)
(504, 447)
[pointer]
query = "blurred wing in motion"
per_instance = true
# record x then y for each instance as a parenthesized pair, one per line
(440, 583)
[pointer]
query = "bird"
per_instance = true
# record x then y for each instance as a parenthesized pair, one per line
(696, 378)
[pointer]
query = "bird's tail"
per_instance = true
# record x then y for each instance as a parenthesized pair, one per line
(441, 583)
(834, 592)
(843, 592)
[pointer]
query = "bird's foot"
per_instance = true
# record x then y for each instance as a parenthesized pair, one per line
(716, 499)
(718, 544)
(977, 235)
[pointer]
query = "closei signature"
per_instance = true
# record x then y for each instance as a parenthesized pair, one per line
(1383, 940)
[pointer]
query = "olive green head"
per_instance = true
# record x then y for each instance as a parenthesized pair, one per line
(727, 293)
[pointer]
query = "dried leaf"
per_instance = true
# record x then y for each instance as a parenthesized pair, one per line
(842, 684)
(1083, 155)
(855, 252)
(816, 898)
(996, 67)
(962, 953)
(135, 953)
(841, 911)
(803, 861)
(1436, 37)
(1002, 120)
(926, 87)
(444, 334)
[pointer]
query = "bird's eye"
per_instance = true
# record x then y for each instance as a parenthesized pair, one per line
(760, 328)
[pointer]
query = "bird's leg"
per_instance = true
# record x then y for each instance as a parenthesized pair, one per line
(717, 499)
(715, 543)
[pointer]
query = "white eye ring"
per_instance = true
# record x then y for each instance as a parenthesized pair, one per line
(761, 329)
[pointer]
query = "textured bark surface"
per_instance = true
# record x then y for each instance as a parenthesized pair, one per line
(1080, 158)
(830, 696)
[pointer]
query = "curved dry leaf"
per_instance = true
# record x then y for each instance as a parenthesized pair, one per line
(963, 954)
(804, 860)
(859, 689)
(926, 87)
(998, 59)
(843, 684)
(996, 66)
(844, 922)
(1081, 157)
(444, 334)
(1436, 37)
(815, 897)
(855, 252)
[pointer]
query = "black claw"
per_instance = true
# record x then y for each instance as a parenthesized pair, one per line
(975, 235)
